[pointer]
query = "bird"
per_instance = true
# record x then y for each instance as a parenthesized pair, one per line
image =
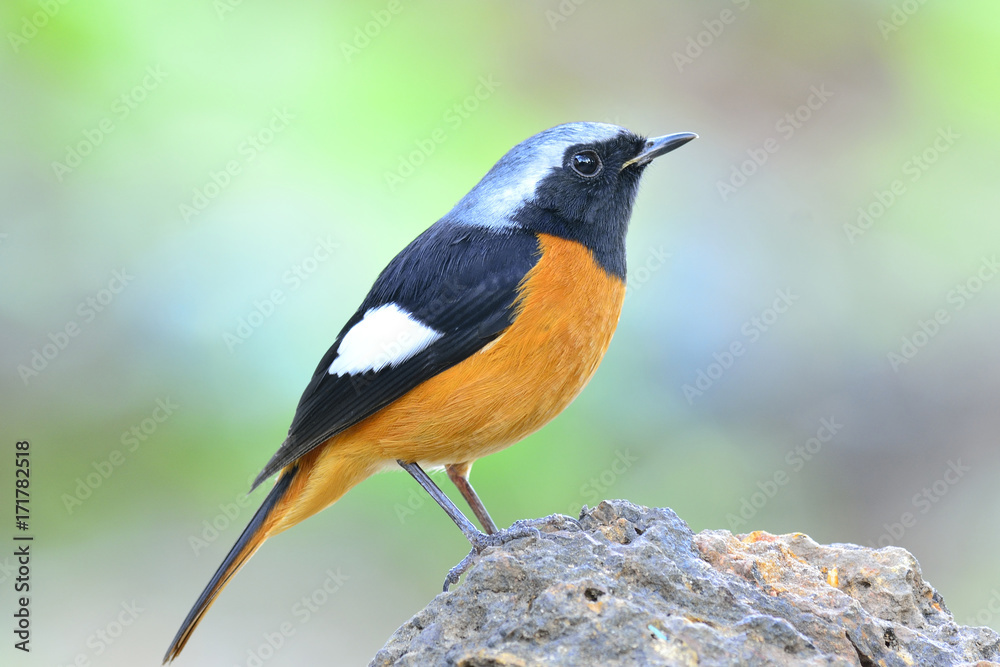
(479, 332)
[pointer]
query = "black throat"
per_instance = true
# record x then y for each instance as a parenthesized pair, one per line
(606, 242)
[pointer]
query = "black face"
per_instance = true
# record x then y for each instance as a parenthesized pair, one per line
(591, 185)
(589, 198)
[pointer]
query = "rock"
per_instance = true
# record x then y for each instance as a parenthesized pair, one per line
(630, 585)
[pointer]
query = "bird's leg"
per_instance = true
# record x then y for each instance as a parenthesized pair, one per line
(423, 479)
(478, 540)
(458, 473)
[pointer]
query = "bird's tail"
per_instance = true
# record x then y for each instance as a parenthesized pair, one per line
(251, 539)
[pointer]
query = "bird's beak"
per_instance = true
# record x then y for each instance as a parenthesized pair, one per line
(658, 146)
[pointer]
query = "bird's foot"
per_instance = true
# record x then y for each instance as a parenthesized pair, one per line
(455, 573)
(483, 542)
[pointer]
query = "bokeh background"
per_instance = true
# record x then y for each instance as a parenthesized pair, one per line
(202, 193)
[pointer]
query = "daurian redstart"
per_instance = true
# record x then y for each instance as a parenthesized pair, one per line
(484, 328)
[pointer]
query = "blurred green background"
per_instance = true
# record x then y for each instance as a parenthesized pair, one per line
(203, 192)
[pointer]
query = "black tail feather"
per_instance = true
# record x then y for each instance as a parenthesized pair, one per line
(248, 542)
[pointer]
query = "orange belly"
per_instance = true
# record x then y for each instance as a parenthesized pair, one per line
(567, 312)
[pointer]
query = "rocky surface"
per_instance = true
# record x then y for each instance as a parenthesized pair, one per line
(629, 585)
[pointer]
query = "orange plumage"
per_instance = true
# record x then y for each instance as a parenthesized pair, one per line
(567, 311)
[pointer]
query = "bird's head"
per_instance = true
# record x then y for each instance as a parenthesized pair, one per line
(576, 181)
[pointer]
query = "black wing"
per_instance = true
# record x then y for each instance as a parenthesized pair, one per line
(459, 280)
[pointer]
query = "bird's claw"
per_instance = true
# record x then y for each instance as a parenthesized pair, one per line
(455, 573)
(483, 542)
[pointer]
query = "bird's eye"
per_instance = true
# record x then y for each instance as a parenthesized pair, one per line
(586, 163)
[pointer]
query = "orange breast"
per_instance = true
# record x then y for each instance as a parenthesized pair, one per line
(567, 312)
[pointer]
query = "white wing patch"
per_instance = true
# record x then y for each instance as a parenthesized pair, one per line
(385, 336)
